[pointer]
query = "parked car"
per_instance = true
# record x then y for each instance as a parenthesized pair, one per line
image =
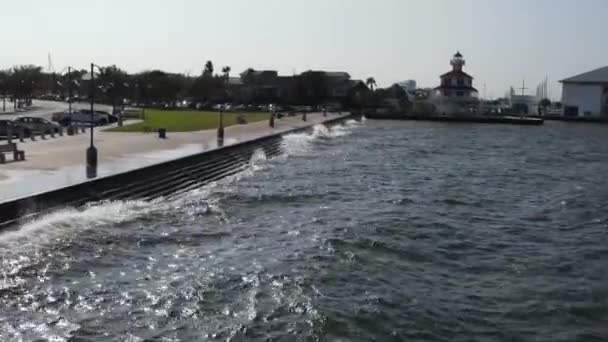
(34, 124)
(14, 128)
(83, 117)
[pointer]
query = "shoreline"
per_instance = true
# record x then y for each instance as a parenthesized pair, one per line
(513, 120)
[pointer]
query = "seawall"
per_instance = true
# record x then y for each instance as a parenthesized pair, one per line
(151, 181)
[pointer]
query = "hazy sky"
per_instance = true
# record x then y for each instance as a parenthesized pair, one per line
(392, 40)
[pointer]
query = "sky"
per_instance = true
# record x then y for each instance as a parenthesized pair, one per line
(504, 42)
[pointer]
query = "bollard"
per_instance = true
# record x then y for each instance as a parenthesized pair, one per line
(33, 135)
(21, 134)
(70, 130)
(162, 133)
(9, 134)
(83, 129)
(43, 134)
(52, 132)
(220, 136)
(60, 131)
(304, 117)
(271, 120)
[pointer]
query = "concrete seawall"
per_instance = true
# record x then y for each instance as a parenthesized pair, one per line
(151, 181)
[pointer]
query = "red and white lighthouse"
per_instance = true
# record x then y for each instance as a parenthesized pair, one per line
(456, 93)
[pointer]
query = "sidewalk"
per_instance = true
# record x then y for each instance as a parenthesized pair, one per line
(60, 161)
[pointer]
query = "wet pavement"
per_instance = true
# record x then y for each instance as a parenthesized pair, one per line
(59, 162)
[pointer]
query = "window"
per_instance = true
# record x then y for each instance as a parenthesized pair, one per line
(459, 93)
(460, 81)
(446, 81)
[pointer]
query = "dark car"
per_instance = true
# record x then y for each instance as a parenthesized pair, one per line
(34, 124)
(8, 127)
(83, 117)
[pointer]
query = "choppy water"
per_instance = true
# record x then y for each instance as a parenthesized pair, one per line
(376, 231)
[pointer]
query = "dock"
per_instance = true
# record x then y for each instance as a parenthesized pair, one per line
(511, 120)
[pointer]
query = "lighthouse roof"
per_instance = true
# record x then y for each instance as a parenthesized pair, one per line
(456, 73)
(458, 55)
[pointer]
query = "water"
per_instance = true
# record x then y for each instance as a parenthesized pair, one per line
(370, 231)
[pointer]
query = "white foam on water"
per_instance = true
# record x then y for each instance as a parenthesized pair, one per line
(48, 227)
(58, 223)
(301, 143)
(297, 143)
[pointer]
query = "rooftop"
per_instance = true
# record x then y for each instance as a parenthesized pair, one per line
(594, 76)
(456, 73)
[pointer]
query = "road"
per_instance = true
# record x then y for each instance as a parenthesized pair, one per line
(45, 109)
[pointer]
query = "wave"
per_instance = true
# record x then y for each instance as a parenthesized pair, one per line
(62, 222)
(67, 221)
(301, 143)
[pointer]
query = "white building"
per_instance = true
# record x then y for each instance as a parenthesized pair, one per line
(586, 94)
(409, 85)
(524, 104)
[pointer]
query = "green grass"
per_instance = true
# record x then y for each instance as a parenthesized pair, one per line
(186, 121)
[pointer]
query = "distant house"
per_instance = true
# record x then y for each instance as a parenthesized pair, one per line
(586, 94)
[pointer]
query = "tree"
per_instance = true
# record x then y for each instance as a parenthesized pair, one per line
(208, 71)
(113, 82)
(24, 80)
(544, 104)
(159, 86)
(4, 86)
(226, 72)
(371, 83)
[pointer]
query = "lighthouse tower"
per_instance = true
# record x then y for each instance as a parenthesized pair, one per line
(457, 62)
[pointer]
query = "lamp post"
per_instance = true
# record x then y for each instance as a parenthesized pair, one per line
(2, 82)
(272, 109)
(92, 151)
(70, 99)
(220, 130)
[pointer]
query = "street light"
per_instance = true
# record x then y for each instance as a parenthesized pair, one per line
(92, 151)
(220, 130)
(272, 110)
(3, 88)
(70, 97)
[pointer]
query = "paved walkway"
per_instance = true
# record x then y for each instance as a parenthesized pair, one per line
(45, 109)
(58, 162)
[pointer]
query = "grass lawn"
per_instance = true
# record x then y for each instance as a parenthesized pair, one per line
(186, 121)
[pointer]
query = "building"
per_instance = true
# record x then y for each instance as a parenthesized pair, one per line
(260, 86)
(524, 104)
(456, 94)
(586, 94)
(409, 86)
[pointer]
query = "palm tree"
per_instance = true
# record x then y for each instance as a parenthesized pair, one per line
(208, 71)
(226, 71)
(371, 83)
